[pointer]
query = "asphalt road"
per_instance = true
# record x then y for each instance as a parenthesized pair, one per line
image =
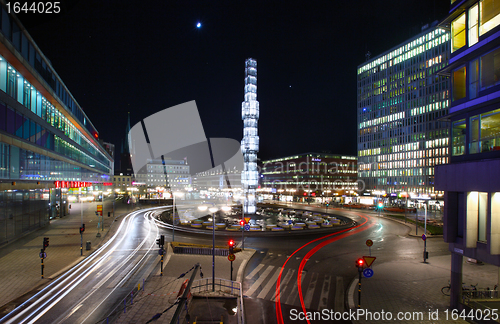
(326, 264)
(90, 290)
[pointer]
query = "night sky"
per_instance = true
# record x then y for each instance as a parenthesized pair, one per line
(144, 56)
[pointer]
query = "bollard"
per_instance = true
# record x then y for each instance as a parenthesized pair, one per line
(132, 298)
(124, 306)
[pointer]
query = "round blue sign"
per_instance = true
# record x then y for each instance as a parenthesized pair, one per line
(290, 222)
(368, 273)
(247, 227)
(424, 237)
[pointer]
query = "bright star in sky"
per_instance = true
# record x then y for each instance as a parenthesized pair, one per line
(198, 25)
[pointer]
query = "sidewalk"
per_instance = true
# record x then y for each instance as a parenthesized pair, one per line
(20, 266)
(413, 286)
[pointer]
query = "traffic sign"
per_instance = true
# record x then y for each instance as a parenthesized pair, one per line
(231, 257)
(160, 251)
(99, 208)
(247, 219)
(424, 237)
(43, 255)
(369, 242)
(247, 227)
(368, 273)
(290, 222)
(369, 260)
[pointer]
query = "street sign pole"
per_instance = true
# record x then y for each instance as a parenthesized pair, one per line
(425, 233)
(231, 270)
(41, 260)
(161, 266)
(360, 270)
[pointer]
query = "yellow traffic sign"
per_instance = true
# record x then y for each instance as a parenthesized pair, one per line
(247, 219)
(369, 242)
(369, 260)
(231, 257)
(99, 208)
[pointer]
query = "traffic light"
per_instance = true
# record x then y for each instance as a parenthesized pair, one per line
(82, 229)
(161, 241)
(380, 205)
(360, 263)
(231, 246)
(45, 242)
(242, 223)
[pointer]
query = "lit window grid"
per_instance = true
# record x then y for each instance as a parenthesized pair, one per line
(31, 98)
(395, 168)
(417, 46)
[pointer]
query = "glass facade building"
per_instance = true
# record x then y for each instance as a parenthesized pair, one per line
(45, 136)
(470, 180)
(401, 101)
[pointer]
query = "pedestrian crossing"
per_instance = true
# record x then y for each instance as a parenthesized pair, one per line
(318, 289)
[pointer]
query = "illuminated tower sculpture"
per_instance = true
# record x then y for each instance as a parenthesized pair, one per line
(250, 141)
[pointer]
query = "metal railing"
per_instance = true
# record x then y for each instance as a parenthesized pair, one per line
(204, 287)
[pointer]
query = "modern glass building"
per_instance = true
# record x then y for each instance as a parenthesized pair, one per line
(471, 179)
(310, 176)
(400, 102)
(45, 136)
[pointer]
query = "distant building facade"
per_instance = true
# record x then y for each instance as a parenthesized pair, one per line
(471, 179)
(400, 102)
(308, 175)
(173, 174)
(45, 137)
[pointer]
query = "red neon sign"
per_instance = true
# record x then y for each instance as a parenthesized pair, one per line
(72, 184)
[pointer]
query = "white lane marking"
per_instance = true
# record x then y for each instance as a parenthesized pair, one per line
(294, 293)
(259, 281)
(323, 298)
(269, 285)
(310, 291)
(283, 283)
(254, 272)
(339, 295)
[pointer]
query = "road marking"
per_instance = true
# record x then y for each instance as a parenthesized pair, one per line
(294, 293)
(259, 282)
(270, 284)
(323, 298)
(254, 272)
(283, 283)
(339, 295)
(310, 291)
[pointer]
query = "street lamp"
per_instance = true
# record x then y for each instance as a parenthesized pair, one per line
(213, 210)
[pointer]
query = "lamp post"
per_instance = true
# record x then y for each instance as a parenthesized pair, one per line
(81, 212)
(213, 210)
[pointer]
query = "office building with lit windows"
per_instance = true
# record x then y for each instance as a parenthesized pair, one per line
(400, 102)
(171, 174)
(316, 176)
(46, 139)
(471, 179)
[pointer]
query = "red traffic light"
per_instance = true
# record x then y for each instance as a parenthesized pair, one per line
(231, 243)
(360, 263)
(242, 223)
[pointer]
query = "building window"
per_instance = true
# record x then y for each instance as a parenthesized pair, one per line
(458, 33)
(473, 79)
(490, 69)
(458, 83)
(477, 203)
(458, 137)
(485, 132)
(489, 15)
(473, 26)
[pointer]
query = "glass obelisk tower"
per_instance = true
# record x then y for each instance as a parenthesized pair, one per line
(250, 141)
